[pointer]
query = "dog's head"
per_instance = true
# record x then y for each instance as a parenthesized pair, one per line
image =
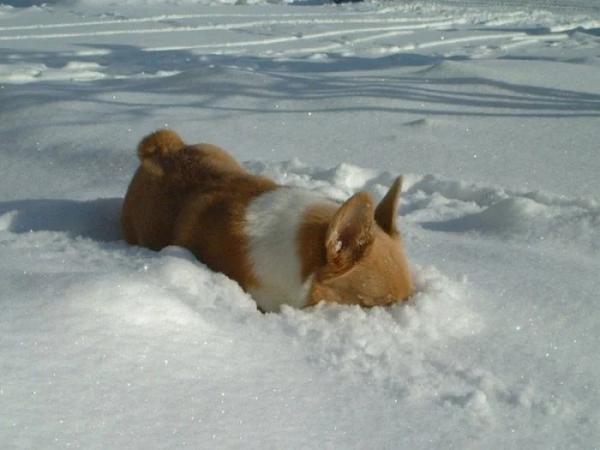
(365, 260)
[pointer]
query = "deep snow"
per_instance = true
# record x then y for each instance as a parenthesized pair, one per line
(490, 113)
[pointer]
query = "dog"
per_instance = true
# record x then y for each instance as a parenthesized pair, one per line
(283, 245)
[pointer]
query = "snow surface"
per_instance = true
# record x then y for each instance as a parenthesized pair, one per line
(491, 113)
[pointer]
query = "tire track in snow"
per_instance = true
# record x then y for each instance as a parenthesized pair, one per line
(222, 27)
(463, 40)
(171, 17)
(519, 37)
(397, 30)
(338, 45)
(528, 40)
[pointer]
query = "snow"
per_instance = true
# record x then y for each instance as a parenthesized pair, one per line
(490, 113)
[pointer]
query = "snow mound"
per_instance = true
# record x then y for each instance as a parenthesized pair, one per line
(399, 349)
(452, 206)
(531, 220)
(134, 296)
(22, 73)
(394, 347)
(391, 347)
(162, 291)
(73, 70)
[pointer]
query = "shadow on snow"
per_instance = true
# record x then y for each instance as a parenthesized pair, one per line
(94, 219)
(214, 82)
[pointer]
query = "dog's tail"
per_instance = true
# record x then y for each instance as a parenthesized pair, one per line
(157, 151)
(166, 157)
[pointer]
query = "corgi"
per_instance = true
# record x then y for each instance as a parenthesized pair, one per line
(283, 245)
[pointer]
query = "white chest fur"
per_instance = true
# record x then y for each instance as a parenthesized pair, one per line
(273, 221)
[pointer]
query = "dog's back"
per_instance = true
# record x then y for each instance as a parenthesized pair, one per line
(184, 195)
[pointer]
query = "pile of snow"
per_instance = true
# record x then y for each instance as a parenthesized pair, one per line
(490, 114)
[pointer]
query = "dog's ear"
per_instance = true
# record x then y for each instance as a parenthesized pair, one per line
(350, 232)
(387, 210)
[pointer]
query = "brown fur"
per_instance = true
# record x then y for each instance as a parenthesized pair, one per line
(196, 196)
(314, 229)
(385, 213)
(188, 201)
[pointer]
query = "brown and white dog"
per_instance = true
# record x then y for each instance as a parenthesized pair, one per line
(283, 245)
